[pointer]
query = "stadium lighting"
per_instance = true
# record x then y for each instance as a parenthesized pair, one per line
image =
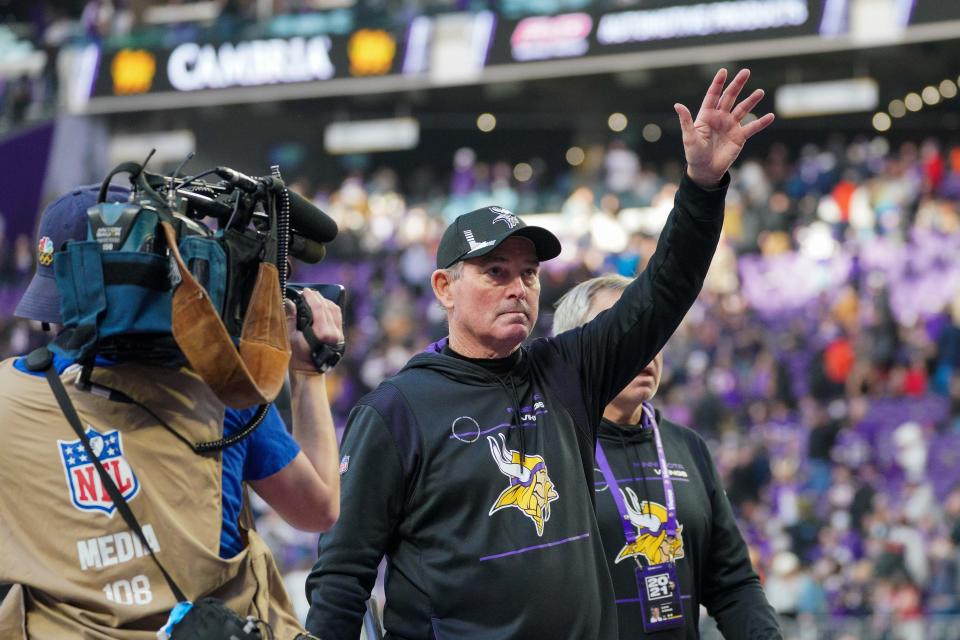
(897, 109)
(486, 122)
(652, 132)
(930, 95)
(522, 172)
(948, 88)
(881, 121)
(913, 101)
(617, 121)
(575, 156)
(825, 98)
(367, 136)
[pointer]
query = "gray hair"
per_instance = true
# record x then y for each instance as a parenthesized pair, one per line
(573, 309)
(455, 271)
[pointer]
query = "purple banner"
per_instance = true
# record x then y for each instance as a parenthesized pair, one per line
(23, 166)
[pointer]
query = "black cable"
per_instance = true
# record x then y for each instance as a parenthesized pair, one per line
(236, 209)
(223, 443)
(209, 446)
(176, 172)
(164, 424)
(115, 395)
(190, 179)
(283, 226)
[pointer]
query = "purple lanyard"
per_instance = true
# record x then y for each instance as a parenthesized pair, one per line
(670, 497)
(628, 530)
(649, 421)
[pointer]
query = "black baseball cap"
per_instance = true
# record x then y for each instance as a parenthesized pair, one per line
(481, 231)
(64, 220)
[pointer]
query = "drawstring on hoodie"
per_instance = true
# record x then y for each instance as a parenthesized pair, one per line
(516, 413)
(516, 407)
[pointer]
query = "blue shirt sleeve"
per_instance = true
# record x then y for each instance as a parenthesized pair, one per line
(269, 448)
(264, 452)
(59, 364)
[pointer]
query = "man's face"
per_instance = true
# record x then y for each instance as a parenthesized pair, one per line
(493, 306)
(643, 387)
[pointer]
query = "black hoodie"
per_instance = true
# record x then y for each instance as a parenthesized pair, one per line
(479, 489)
(713, 568)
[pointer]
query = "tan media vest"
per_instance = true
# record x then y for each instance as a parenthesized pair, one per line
(81, 572)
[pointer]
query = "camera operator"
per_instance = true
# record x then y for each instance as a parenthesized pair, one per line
(79, 571)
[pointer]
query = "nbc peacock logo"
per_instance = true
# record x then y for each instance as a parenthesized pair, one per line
(45, 251)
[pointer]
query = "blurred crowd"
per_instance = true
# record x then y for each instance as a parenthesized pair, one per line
(820, 361)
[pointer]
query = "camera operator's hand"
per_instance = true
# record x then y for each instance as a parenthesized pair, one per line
(327, 325)
(306, 493)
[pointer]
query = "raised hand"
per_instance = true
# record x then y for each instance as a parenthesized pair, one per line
(714, 140)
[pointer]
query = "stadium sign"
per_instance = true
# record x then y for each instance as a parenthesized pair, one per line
(192, 66)
(544, 37)
(659, 25)
(201, 67)
(700, 20)
(466, 48)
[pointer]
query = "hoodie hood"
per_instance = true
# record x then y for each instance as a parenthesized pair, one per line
(463, 371)
(434, 359)
(624, 434)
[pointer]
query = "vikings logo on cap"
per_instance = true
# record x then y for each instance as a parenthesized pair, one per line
(652, 541)
(87, 491)
(45, 251)
(531, 490)
(505, 216)
(474, 245)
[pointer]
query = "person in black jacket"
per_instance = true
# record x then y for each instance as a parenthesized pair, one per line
(472, 468)
(708, 554)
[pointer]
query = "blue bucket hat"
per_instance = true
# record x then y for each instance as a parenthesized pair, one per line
(64, 220)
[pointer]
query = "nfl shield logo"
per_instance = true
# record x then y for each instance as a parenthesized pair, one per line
(86, 488)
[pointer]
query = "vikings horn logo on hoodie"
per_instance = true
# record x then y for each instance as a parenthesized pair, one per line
(531, 490)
